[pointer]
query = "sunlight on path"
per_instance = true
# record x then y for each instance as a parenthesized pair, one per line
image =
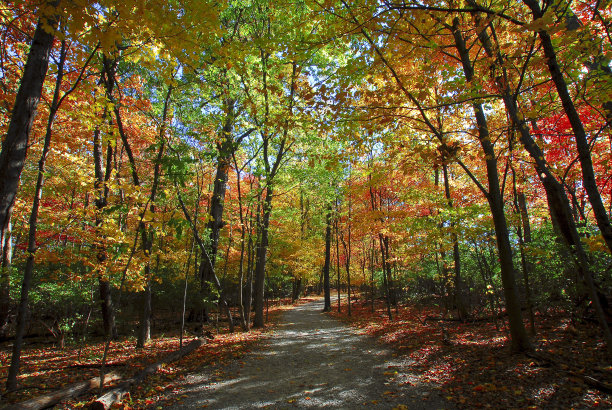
(312, 361)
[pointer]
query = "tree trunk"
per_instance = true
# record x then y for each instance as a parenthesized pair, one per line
(185, 286)
(518, 335)
(242, 313)
(101, 179)
(117, 394)
(337, 257)
(148, 235)
(524, 236)
(15, 143)
(218, 196)
(243, 229)
(297, 289)
(582, 143)
(372, 270)
(251, 268)
(22, 310)
(459, 296)
(144, 330)
(390, 281)
(347, 249)
(558, 202)
(5, 280)
(248, 303)
(384, 273)
(260, 263)
(326, 267)
(73, 391)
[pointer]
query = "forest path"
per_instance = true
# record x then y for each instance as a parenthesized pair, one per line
(311, 360)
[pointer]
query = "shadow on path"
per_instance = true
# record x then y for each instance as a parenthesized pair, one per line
(312, 360)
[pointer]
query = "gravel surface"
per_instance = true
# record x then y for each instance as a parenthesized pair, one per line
(311, 361)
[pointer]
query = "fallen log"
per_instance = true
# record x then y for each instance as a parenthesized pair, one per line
(94, 365)
(572, 371)
(115, 395)
(75, 390)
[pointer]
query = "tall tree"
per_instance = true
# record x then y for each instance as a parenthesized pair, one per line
(15, 143)
(580, 135)
(559, 205)
(519, 339)
(326, 267)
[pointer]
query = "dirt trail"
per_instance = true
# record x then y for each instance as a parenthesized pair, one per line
(311, 361)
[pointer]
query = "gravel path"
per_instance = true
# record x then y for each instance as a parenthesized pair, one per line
(311, 361)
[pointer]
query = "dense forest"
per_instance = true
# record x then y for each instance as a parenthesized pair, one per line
(181, 162)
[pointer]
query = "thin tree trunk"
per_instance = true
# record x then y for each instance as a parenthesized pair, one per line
(15, 143)
(148, 235)
(243, 314)
(144, 330)
(326, 267)
(390, 280)
(217, 201)
(248, 304)
(384, 273)
(459, 297)
(22, 310)
(524, 236)
(518, 335)
(347, 266)
(185, 294)
(557, 199)
(372, 268)
(348, 256)
(337, 257)
(582, 143)
(490, 292)
(270, 172)
(101, 180)
(5, 279)
(251, 267)
(261, 256)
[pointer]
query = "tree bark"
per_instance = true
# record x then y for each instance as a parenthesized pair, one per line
(148, 235)
(101, 180)
(75, 390)
(385, 264)
(251, 265)
(218, 196)
(116, 395)
(582, 143)
(243, 229)
(558, 202)
(518, 335)
(15, 143)
(260, 260)
(5, 280)
(524, 234)
(33, 226)
(326, 267)
(459, 297)
(337, 241)
(271, 169)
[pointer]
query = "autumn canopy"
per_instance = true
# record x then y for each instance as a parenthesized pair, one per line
(166, 163)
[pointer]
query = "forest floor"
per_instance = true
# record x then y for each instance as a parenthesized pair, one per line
(308, 359)
(474, 367)
(311, 360)
(46, 368)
